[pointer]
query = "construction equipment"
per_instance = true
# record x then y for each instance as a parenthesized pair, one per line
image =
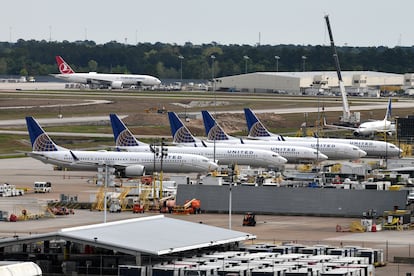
(167, 204)
(192, 206)
(138, 208)
(347, 118)
(249, 219)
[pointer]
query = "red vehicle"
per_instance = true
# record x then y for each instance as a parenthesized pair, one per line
(137, 209)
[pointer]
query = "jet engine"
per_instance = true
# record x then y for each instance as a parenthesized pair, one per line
(357, 133)
(135, 170)
(116, 85)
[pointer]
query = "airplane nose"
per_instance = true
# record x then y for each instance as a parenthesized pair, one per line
(212, 166)
(362, 153)
(282, 160)
(322, 156)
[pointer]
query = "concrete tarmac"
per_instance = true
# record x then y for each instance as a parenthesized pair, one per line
(270, 229)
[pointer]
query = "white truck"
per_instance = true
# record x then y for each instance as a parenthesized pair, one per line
(7, 189)
(42, 187)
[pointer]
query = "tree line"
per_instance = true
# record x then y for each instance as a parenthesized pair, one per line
(171, 61)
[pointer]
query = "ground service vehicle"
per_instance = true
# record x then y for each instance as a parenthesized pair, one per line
(42, 187)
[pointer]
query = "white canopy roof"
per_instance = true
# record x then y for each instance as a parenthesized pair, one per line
(157, 235)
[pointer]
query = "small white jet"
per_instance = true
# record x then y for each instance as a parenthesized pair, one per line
(125, 140)
(115, 81)
(373, 148)
(294, 154)
(334, 151)
(126, 164)
(371, 127)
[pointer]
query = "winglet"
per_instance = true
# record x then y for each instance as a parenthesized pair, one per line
(179, 131)
(64, 68)
(213, 130)
(74, 156)
(38, 137)
(324, 121)
(123, 137)
(388, 114)
(254, 126)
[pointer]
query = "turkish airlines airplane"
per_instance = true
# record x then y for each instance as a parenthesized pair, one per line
(125, 140)
(115, 81)
(294, 154)
(373, 148)
(126, 164)
(335, 151)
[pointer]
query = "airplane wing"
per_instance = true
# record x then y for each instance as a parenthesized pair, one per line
(337, 126)
(97, 80)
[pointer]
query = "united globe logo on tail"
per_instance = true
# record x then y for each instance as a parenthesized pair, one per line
(216, 133)
(183, 136)
(258, 130)
(125, 139)
(43, 143)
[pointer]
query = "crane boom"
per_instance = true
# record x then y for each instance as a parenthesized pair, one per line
(346, 112)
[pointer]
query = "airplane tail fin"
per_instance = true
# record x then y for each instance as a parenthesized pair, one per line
(123, 137)
(213, 130)
(64, 68)
(179, 131)
(254, 126)
(39, 138)
(388, 114)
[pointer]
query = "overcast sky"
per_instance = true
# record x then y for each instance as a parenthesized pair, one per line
(273, 22)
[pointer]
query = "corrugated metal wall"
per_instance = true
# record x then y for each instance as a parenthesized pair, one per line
(292, 201)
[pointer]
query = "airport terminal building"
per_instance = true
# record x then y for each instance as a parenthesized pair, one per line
(363, 83)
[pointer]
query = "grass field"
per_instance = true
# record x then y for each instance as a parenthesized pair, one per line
(144, 119)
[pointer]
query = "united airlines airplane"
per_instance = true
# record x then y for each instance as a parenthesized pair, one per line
(335, 151)
(294, 154)
(370, 128)
(373, 148)
(126, 164)
(116, 81)
(125, 140)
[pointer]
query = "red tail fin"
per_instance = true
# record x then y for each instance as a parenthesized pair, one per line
(64, 68)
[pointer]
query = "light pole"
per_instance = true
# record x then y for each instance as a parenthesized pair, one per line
(277, 63)
(156, 152)
(213, 57)
(304, 61)
(181, 57)
(163, 155)
(246, 58)
(230, 195)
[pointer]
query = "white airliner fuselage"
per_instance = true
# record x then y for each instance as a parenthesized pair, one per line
(225, 156)
(113, 80)
(334, 151)
(368, 128)
(293, 154)
(127, 163)
(116, 81)
(373, 148)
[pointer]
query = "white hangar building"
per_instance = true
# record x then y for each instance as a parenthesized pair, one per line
(309, 82)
